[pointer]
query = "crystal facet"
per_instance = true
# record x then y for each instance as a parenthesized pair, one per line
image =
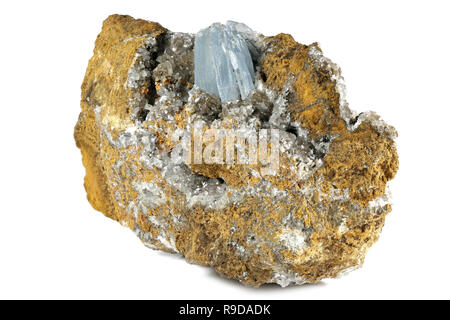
(223, 63)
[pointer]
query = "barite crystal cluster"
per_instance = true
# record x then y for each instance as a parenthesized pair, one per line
(313, 217)
(223, 64)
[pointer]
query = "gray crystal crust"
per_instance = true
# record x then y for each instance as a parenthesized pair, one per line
(223, 63)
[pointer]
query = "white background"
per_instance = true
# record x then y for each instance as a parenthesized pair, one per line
(395, 59)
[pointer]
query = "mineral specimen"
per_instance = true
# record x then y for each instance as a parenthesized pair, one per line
(313, 215)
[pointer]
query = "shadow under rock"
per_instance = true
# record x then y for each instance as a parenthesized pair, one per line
(269, 287)
(214, 276)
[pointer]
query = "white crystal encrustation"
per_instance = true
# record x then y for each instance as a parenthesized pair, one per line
(223, 64)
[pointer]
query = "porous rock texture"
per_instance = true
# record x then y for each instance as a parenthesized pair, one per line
(315, 218)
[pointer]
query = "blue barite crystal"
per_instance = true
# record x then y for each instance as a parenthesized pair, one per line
(223, 64)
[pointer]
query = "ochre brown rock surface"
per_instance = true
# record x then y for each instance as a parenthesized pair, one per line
(315, 218)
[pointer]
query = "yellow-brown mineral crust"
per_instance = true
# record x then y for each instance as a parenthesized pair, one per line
(314, 218)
